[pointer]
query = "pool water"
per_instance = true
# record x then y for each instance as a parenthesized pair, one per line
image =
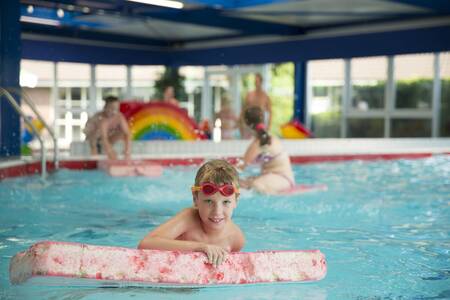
(384, 227)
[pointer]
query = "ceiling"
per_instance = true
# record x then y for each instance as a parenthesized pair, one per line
(239, 31)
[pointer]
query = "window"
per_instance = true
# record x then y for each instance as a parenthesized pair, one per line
(326, 82)
(142, 81)
(365, 128)
(445, 94)
(368, 76)
(414, 81)
(410, 128)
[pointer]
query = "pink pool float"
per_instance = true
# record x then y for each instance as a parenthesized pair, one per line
(102, 265)
(121, 168)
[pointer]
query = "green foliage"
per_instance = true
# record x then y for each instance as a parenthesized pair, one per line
(445, 108)
(281, 95)
(326, 124)
(414, 93)
(171, 77)
(372, 94)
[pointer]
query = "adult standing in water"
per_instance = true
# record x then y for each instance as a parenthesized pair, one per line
(169, 96)
(259, 98)
(106, 127)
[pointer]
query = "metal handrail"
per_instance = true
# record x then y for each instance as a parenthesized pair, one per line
(14, 104)
(30, 103)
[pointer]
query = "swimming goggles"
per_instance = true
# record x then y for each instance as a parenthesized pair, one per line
(209, 188)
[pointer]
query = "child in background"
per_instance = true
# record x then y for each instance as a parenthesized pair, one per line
(228, 118)
(276, 171)
(106, 128)
(207, 226)
(169, 96)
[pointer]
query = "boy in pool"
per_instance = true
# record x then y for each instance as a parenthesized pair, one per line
(207, 226)
(107, 127)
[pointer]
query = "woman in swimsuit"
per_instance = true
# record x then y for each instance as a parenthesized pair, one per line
(276, 171)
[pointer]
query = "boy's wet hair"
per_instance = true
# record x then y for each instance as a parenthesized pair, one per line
(253, 116)
(217, 171)
(110, 99)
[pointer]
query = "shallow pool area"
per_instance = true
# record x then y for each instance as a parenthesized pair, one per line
(384, 227)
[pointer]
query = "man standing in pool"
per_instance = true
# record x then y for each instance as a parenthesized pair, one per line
(207, 226)
(106, 128)
(259, 98)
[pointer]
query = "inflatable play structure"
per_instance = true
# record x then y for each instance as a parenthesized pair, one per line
(295, 130)
(159, 121)
(28, 135)
(103, 266)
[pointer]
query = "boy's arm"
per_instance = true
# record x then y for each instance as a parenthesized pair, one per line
(126, 131)
(164, 236)
(238, 240)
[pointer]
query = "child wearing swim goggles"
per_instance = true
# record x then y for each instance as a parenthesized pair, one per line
(207, 226)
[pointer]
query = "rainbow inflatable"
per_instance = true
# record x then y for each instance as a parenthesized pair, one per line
(295, 130)
(159, 121)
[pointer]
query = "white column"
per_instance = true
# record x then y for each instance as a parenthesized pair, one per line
(54, 98)
(92, 108)
(309, 97)
(206, 98)
(128, 92)
(267, 76)
(346, 97)
(235, 89)
(389, 105)
(54, 95)
(436, 104)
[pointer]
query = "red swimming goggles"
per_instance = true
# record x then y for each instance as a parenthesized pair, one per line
(209, 188)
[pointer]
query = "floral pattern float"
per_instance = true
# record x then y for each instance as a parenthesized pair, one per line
(124, 168)
(155, 267)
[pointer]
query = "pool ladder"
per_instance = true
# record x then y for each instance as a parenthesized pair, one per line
(7, 92)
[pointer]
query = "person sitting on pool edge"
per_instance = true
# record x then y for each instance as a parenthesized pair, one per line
(276, 170)
(106, 128)
(207, 226)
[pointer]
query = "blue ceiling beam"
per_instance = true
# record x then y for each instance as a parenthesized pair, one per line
(69, 18)
(424, 40)
(90, 54)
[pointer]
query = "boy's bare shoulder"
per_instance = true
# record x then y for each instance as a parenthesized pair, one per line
(190, 214)
(238, 238)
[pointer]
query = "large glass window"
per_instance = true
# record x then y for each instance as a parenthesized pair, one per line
(414, 81)
(445, 94)
(281, 95)
(73, 101)
(365, 128)
(142, 81)
(326, 82)
(111, 81)
(410, 128)
(193, 83)
(368, 76)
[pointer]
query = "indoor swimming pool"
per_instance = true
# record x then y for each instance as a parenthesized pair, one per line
(384, 227)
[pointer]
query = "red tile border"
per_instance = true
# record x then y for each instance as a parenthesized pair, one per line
(35, 167)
